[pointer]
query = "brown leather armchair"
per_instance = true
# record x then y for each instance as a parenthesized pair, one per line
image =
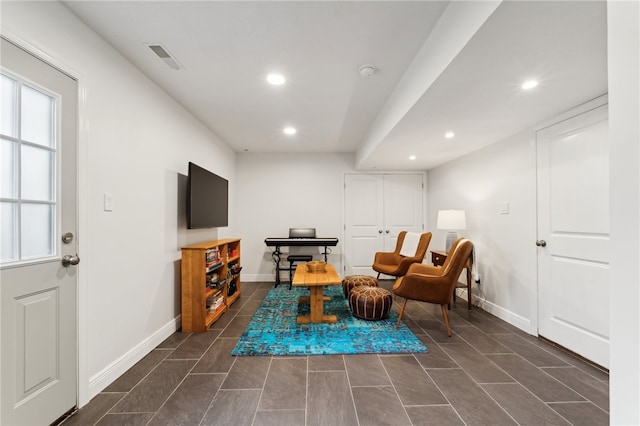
(433, 284)
(393, 263)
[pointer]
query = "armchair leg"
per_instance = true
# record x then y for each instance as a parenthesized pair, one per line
(446, 319)
(378, 277)
(404, 304)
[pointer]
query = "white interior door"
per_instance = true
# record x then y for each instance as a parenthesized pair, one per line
(38, 344)
(573, 234)
(364, 222)
(377, 208)
(403, 201)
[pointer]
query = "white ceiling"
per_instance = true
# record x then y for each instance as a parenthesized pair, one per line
(441, 66)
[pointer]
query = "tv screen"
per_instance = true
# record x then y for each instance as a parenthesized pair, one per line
(207, 199)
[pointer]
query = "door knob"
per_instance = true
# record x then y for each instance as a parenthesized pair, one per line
(541, 243)
(70, 260)
(387, 231)
(379, 231)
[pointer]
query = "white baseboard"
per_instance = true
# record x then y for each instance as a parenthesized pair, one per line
(500, 312)
(249, 278)
(108, 375)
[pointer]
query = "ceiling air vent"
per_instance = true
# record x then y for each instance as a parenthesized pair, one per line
(162, 53)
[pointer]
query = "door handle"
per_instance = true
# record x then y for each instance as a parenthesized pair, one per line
(379, 231)
(541, 243)
(387, 231)
(70, 260)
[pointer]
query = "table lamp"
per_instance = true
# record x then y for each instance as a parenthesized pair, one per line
(451, 220)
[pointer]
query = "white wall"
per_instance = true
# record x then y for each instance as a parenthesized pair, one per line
(276, 192)
(623, 23)
(135, 142)
(479, 184)
(480, 181)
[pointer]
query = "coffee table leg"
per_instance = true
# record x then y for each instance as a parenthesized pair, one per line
(316, 304)
(316, 307)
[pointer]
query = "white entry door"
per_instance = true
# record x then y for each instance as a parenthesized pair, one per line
(573, 234)
(377, 208)
(38, 345)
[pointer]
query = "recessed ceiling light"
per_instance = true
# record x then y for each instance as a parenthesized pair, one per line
(413, 157)
(449, 135)
(290, 130)
(529, 84)
(276, 79)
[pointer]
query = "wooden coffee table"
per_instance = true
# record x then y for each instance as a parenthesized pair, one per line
(315, 281)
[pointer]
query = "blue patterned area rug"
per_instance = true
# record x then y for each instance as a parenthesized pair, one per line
(273, 329)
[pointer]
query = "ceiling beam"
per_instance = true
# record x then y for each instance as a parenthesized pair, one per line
(458, 24)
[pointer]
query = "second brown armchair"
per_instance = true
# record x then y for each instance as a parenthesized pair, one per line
(432, 284)
(394, 263)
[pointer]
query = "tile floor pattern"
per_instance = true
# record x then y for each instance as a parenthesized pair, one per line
(487, 373)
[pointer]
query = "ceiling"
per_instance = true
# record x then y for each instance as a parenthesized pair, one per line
(440, 66)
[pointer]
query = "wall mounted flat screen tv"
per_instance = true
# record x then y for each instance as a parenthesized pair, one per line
(207, 199)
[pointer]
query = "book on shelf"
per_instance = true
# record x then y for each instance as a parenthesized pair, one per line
(215, 302)
(216, 294)
(217, 308)
(213, 254)
(213, 259)
(213, 310)
(210, 267)
(213, 281)
(217, 285)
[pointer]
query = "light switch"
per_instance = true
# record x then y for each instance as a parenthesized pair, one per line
(108, 202)
(504, 208)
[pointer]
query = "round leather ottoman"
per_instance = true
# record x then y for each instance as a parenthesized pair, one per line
(370, 303)
(352, 281)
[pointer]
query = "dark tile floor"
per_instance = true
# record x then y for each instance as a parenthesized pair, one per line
(488, 373)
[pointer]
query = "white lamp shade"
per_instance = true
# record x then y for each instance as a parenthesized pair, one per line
(451, 219)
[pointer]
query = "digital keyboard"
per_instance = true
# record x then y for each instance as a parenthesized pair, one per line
(301, 242)
(277, 243)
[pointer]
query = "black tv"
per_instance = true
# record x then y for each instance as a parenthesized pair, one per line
(207, 199)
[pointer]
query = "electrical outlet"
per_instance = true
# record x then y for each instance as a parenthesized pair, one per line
(479, 279)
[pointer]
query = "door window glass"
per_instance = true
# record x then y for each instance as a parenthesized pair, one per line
(28, 161)
(8, 221)
(36, 222)
(36, 174)
(8, 184)
(36, 121)
(9, 89)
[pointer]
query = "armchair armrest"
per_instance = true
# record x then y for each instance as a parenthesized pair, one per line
(406, 263)
(387, 258)
(426, 288)
(421, 268)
